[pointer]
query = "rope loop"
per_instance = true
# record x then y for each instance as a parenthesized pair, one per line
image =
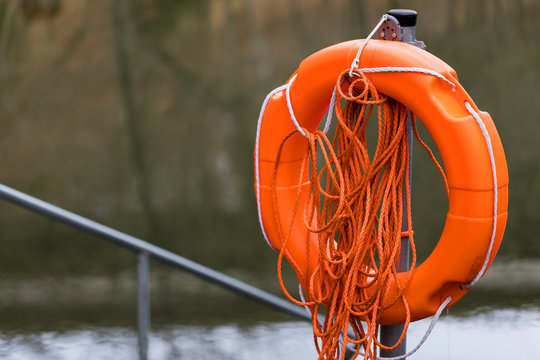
(358, 88)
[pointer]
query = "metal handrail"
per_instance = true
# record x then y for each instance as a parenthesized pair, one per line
(145, 250)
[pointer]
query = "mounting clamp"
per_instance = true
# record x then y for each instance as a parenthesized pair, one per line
(400, 25)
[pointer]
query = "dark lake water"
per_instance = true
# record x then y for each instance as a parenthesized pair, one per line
(141, 115)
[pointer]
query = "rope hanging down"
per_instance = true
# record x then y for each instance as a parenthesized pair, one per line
(355, 209)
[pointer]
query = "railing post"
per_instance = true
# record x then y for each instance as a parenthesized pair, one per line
(143, 303)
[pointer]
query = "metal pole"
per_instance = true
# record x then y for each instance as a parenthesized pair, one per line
(86, 225)
(143, 303)
(389, 334)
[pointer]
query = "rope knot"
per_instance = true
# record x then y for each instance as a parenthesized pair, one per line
(409, 233)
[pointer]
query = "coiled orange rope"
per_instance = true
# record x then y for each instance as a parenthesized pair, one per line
(355, 208)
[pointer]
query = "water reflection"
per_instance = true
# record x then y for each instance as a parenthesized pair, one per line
(144, 119)
(453, 338)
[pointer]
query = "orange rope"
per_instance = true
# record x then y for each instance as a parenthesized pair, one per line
(356, 203)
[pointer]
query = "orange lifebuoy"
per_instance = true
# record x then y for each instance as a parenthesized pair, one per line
(469, 228)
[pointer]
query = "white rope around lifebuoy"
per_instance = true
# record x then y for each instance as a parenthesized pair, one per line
(356, 60)
(487, 139)
(257, 141)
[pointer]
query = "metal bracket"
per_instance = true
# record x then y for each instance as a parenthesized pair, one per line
(390, 29)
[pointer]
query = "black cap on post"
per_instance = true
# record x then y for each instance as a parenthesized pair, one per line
(406, 17)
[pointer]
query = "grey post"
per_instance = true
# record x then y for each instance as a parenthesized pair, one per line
(402, 27)
(143, 303)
